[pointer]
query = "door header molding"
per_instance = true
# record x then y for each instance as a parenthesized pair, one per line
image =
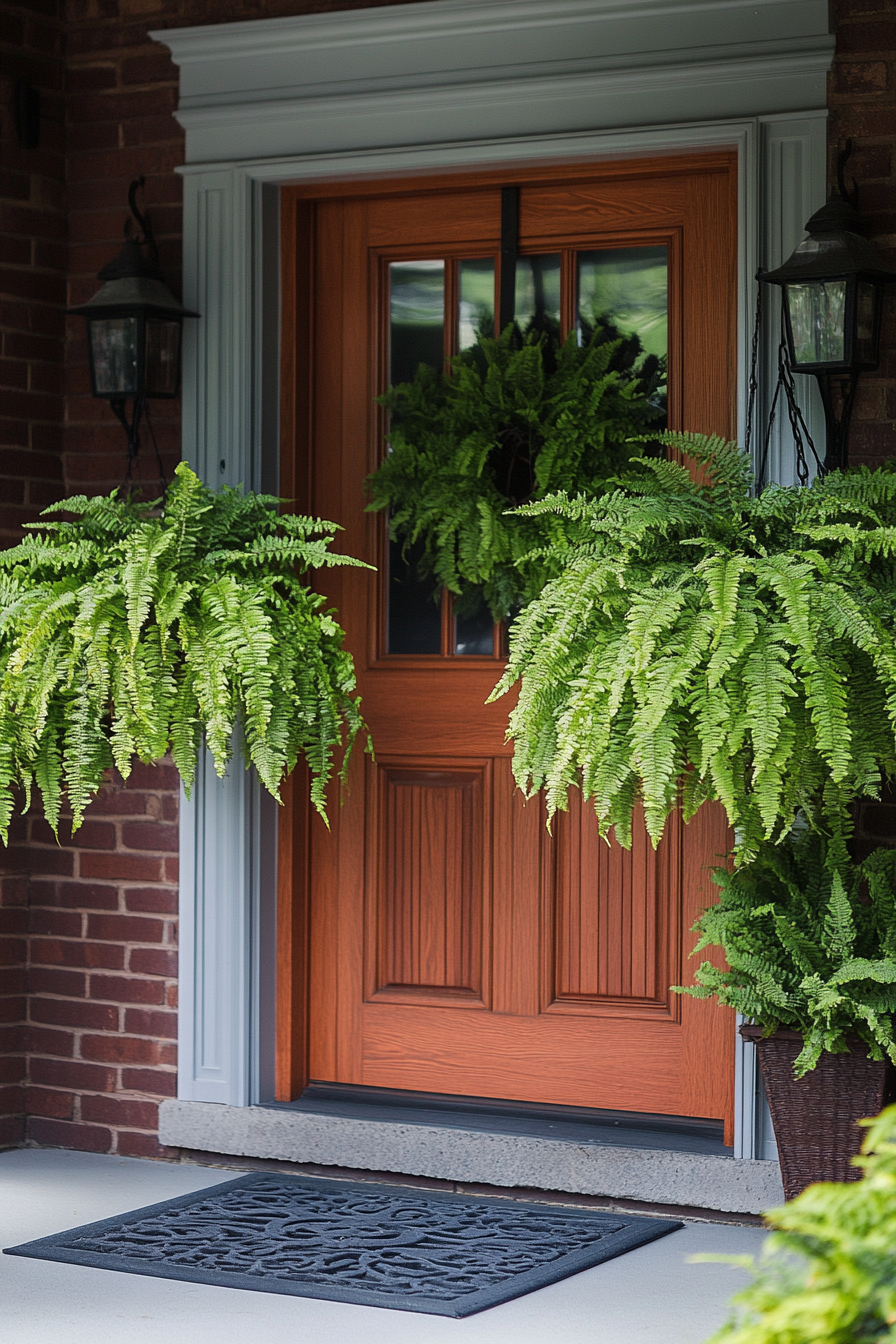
(461, 70)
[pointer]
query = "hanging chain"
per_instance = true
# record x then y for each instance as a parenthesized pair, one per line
(754, 384)
(798, 427)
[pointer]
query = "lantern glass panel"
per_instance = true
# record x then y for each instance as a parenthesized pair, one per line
(162, 357)
(866, 294)
(818, 321)
(113, 348)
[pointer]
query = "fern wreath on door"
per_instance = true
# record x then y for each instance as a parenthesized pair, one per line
(518, 418)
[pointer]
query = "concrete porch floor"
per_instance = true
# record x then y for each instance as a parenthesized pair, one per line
(650, 1296)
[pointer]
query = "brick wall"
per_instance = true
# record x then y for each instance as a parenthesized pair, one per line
(13, 962)
(32, 296)
(862, 101)
(32, 265)
(101, 1022)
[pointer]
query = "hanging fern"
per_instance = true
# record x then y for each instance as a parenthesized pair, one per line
(702, 642)
(519, 418)
(127, 634)
(810, 942)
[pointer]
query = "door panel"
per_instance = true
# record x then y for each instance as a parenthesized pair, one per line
(609, 929)
(455, 945)
(429, 900)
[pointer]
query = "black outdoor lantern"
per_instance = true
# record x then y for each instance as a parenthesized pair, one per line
(134, 327)
(832, 300)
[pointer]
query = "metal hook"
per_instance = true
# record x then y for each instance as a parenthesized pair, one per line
(842, 159)
(147, 240)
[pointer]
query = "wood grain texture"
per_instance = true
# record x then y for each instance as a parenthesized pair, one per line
(609, 926)
(567, 1061)
(430, 891)
(454, 944)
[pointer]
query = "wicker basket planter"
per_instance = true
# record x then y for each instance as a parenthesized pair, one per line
(815, 1117)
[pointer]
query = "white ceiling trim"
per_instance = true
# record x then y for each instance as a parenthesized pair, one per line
(461, 70)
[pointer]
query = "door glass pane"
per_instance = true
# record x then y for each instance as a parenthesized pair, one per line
(473, 629)
(475, 300)
(537, 296)
(414, 617)
(629, 287)
(416, 317)
(416, 336)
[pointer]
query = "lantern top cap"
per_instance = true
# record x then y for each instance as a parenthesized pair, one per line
(128, 292)
(834, 250)
(133, 279)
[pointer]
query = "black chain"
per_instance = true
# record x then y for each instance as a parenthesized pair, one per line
(800, 430)
(754, 356)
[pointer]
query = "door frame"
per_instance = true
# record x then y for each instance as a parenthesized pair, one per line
(231, 274)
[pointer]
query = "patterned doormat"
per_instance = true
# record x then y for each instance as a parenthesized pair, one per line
(349, 1241)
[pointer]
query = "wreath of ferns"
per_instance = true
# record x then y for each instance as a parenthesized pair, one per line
(128, 633)
(520, 417)
(698, 642)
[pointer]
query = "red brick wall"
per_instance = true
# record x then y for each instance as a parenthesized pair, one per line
(32, 296)
(862, 101)
(13, 961)
(100, 1022)
(122, 91)
(32, 266)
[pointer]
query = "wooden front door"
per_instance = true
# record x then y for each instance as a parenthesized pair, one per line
(436, 938)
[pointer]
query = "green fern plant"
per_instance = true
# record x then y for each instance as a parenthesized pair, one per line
(132, 633)
(827, 1273)
(519, 418)
(702, 642)
(810, 942)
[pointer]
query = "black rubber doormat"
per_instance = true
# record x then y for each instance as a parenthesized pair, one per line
(349, 1241)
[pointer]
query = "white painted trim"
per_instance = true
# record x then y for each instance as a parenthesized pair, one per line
(224, 881)
(460, 70)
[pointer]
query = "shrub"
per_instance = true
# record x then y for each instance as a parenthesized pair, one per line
(827, 1274)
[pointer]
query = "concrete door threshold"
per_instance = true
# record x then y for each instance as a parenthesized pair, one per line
(470, 1156)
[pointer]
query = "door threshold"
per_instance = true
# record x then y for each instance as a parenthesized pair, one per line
(462, 1150)
(490, 1115)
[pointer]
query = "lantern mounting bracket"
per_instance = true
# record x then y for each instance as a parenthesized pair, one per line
(842, 160)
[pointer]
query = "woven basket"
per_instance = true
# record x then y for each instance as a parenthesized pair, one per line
(815, 1117)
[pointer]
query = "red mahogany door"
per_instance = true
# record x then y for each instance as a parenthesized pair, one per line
(440, 939)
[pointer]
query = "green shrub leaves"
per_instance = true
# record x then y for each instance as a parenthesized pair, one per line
(826, 1274)
(127, 633)
(701, 642)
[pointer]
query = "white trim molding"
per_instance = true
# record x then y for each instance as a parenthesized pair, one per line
(464, 70)
(417, 88)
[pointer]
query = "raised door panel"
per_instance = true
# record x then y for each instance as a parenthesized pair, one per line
(613, 912)
(428, 895)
